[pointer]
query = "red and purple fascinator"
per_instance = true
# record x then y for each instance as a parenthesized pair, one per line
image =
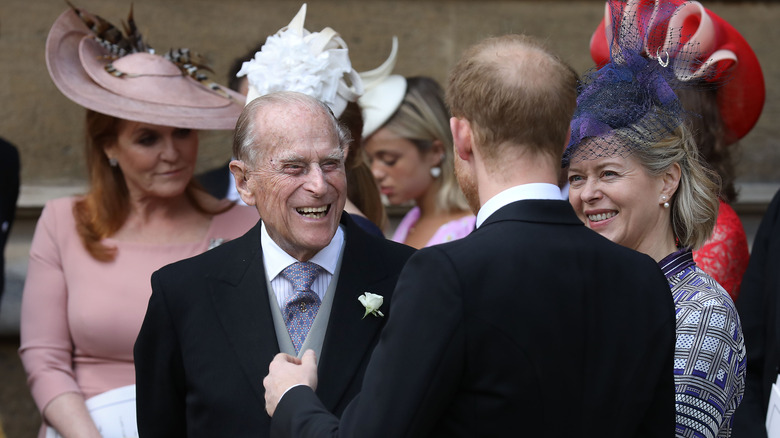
(702, 46)
(630, 101)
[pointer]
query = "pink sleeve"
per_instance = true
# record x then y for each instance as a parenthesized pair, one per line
(454, 230)
(406, 224)
(46, 346)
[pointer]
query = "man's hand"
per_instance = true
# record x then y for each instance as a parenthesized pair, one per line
(286, 371)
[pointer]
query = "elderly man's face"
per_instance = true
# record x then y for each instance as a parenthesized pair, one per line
(299, 183)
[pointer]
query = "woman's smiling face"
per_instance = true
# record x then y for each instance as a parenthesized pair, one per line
(615, 196)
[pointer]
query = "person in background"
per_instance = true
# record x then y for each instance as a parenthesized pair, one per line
(283, 66)
(757, 306)
(87, 284)
(636, 177)
(410, 150)
(218, 181)
(9, 193)
(723, 98)
(486, 335)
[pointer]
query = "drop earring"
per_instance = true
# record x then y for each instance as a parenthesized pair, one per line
(666, 204)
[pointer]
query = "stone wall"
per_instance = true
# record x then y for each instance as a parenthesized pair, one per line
(47, 127)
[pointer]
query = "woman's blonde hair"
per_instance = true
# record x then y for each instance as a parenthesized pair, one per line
(694, 205)
(423, 118)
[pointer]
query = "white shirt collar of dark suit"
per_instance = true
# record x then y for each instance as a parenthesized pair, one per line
(518, 193)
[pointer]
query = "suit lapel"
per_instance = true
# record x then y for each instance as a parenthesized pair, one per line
(240, 298)
(348, 337)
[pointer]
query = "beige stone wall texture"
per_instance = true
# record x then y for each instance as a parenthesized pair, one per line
(48, 128)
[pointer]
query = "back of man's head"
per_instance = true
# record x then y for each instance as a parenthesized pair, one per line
(514, 92)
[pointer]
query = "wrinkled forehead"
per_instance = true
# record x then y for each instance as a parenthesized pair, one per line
(608, 146)
(296, 129)
(287, 116)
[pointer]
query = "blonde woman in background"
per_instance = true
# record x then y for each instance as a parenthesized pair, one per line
(409, 144)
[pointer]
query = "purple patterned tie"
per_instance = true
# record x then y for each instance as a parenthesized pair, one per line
(302, 306)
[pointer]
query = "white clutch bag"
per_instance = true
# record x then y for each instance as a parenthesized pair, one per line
(113, 412)
(773, 413)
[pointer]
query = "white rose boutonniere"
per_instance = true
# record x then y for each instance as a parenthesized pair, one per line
(372, 303)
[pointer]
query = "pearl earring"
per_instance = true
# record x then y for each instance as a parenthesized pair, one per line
(436, 171)
(666, 204)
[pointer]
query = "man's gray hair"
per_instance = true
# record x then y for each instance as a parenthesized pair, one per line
(247, 139)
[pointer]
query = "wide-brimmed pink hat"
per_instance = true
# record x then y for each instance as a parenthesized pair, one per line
(95, 72)
(722, 56)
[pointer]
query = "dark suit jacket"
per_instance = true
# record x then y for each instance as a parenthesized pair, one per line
(9, 194)
(533, 326)
(208, 337)
(216, 181)
(758, 308)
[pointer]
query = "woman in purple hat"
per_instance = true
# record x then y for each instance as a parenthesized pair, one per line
(722, 89)
(636, 177)
(87, 284)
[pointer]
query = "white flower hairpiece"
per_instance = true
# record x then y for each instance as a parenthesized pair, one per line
(294, 59)
(372, 303)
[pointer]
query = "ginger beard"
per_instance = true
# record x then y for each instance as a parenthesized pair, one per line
(467, 183)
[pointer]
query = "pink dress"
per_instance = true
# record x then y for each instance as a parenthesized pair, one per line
(452, 230)
(724, 256)
(80, 316)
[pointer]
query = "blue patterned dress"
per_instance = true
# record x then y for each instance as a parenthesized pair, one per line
(709, 358)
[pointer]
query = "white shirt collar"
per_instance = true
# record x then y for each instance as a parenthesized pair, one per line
(518, 193)
(276, 259)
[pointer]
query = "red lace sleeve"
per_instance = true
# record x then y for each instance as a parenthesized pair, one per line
(725, 255)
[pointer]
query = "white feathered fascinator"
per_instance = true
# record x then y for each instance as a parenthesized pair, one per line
(313, 63)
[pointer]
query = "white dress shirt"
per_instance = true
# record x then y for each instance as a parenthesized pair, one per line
(275, 260)
(518, 193)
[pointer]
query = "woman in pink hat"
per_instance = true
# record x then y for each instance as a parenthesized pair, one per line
(92, 256)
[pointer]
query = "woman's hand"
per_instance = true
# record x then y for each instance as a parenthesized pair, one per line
(69, 415)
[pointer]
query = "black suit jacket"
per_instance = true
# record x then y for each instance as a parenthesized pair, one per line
(758, 308)
(208, 337)
(533, 326)
(9, 194)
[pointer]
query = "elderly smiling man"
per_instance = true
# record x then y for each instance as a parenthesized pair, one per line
(290, 284)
